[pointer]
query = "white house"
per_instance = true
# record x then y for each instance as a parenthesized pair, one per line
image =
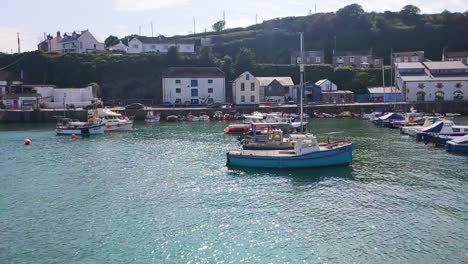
(159, 44)
(119, 47)
(432, 81)
(194, 85)
(327, 85)
(80, 42)
(246, 89)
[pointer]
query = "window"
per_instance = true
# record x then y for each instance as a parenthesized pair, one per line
(458, 95)
(252, 86)
(247, 76)
(414, 59)
(339, 60)
(351, 59)
(439, 96)
(136, 46)
(242, 86)
(210, 90)
(421, 85)
(210, 81)
(405, 59)
(364, 59)
(397, 59)
(194, 92)
(178, 90)
(252, 99)
(420, 96)
(177, 81)
(318, 60)
(458, 85)
(440, 85)
(194, 83)
(81, 45)
(456, 130)
(243, 99)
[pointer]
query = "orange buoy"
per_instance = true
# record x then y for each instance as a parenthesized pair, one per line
(27, 142)
(73, 136)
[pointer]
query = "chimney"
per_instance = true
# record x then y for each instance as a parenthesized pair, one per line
(58, 34)
(45, 38)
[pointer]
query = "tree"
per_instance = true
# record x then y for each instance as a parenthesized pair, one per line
(206, 57)
(349, 11)
(173, 56)
(410, 10)
(245, 60)
(228, 68)
(219, 26)
(111, 41)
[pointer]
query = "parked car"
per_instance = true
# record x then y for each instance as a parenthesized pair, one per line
(135, 106)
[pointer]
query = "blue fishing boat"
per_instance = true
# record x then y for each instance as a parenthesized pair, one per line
(458, 145)
(307, 153)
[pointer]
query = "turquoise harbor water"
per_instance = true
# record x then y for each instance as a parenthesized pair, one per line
(163, 195)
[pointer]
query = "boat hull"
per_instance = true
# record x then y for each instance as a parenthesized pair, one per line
(118, 126)
(99, 130)
(457, 148)
(341, 156)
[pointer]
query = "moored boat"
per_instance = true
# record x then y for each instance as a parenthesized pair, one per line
(307, 153)
(112, 121)
(67, 126)
(172, 118)
(441, 128)
(237, 129)
(458, 145)
(151, 117)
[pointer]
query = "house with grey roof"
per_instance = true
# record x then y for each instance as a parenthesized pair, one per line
(363, 58)
(310, 57)
(407, 56)
(455, 56)
(159, 45)
(80, 42)
(326, 85)
(275, 89)
(432, 81)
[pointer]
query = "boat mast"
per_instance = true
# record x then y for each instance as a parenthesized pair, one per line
(302, 78)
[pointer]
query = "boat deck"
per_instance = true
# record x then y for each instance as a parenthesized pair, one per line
(282, 153)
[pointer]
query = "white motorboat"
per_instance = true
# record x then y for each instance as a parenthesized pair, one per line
(412, 130)
(151, 117)
(204, 118)
(112, 121)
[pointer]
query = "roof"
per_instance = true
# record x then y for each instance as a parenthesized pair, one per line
(408, 53)
(162, 40)
(338, 92)
(381, 90)
(409, 65)
(72, 36)
(423, 78)
(445, 65)
(194, 72)
(285, 81)
(454, 54)
(311, 53)
(353, 53)
(320, 82)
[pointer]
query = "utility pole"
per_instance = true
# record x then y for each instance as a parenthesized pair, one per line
(194, 27)
(302, 79)
(315, 8)
(139, 30)
(19, 44)
(256, 19)
(383, 80)
(152, 32)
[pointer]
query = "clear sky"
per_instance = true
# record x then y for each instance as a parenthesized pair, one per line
(123, 17)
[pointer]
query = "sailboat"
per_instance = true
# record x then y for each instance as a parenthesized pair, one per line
(307, 151)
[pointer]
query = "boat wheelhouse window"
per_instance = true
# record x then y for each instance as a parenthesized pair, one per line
(466, 129)
(456, 129)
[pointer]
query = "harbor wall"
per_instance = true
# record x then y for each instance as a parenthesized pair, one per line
(40, 116)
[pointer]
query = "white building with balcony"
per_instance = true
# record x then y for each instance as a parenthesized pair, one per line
(158, 45)
(80, 42)
(432, 81)
(194, 86)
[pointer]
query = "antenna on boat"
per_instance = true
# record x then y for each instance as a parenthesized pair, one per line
(302, 79)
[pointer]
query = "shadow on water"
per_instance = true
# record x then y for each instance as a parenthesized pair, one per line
(296, 176)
